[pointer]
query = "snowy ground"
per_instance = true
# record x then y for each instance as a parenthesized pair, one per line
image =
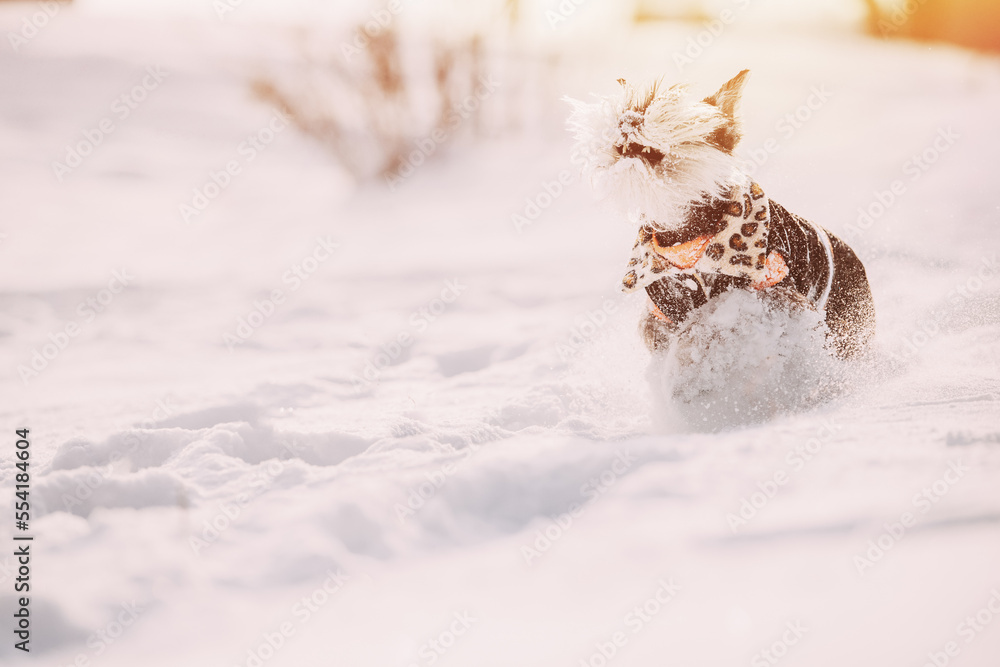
(501, 489)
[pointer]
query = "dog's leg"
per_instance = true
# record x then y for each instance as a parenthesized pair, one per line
(672, 298)
(656, 330)
(850, 309)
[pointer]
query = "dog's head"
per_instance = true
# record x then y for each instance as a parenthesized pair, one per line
(656, 152)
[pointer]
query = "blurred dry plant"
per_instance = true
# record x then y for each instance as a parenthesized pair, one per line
(369, 110)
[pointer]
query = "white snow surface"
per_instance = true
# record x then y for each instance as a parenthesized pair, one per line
(548, 490)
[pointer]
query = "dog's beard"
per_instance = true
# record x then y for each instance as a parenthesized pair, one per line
(661, 197)
(650, 158)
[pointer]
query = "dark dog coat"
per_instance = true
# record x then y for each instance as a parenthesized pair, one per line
(705, 226)
(750, 242)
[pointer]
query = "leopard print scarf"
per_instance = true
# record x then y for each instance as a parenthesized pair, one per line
(725, 237)
(740, 249)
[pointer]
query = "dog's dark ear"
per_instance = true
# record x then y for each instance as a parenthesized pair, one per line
(728, 101)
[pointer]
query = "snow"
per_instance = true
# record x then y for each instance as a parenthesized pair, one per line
(745, 358)
(505, 481)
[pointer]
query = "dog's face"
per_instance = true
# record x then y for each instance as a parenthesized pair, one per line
(656, 152)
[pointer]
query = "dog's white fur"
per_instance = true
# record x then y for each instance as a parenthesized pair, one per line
(694, 166)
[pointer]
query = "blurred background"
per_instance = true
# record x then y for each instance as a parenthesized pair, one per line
(268, 269)
(365, 79)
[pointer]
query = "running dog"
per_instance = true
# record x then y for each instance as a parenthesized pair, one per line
(705, 226)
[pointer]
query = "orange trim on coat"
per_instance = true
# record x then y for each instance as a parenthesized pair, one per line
(776, 269)
(657, 313)
(683, 255)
